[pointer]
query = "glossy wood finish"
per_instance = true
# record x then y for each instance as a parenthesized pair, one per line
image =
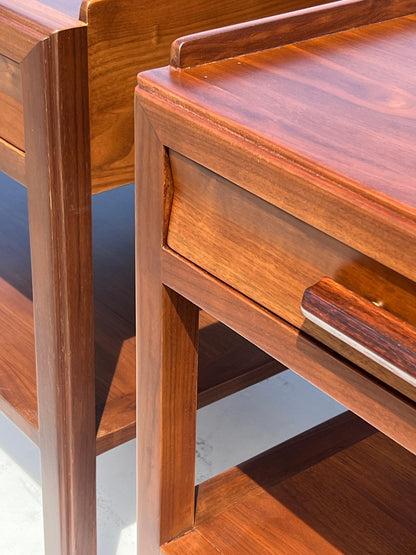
(308, 495)
(295, 71)
(227, 362)
(252, 36)
(22, 26)
(365, 326)
(166, 385)
(44, 81)
(203, 229)
(131, 36)
(167, 388)
(123, 39)
(364, 225)
(257, 171)
(384, 204)
(59, 200)
(18, 379)
(384, 408)
(50, 50)
(280, 463)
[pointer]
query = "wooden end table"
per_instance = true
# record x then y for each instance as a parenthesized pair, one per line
(278, 190)
(67, 76)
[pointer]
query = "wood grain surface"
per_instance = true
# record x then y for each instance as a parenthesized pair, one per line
(307, 495)
(123, 38)
(252, 36)
(364, 223)
(290, 255)
(167, 366)
(213, 222)
(227, 362)
(130, 36)
(11, 113)
(363, 325)
(12, 161)
(322, 102)
(18, 400)
(294, 455)
(23, 24)
(215, 155)
(166, 370)
(370, 399)
(55, 91)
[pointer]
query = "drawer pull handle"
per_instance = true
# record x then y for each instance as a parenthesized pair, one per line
(363, 325)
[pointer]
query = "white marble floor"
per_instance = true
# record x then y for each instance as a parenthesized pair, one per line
(229, 431)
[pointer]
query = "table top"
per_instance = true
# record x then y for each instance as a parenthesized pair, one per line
(343, 105)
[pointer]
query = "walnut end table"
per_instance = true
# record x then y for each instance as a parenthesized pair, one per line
(277, 185)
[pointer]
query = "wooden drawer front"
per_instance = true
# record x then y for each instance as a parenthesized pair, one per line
(11, 108)
(272, 257)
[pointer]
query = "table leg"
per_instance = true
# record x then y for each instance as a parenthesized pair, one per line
(167, 334)
(59, 197)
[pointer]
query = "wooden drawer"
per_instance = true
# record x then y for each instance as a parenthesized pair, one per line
(272, 257)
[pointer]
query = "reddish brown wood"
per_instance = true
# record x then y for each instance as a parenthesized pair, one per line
(313, 507)
(166, 370)
(23, 24)
(56, 130)
(227, 362)
(11, 115)
(128, 36)
(382, 207)
(365, 326)
(296, 132)
(18, 399)
(204, 230)
(124, 37)
(179, 399)
(252, 36)
(46, 47)
(382, 407)
(279, 463)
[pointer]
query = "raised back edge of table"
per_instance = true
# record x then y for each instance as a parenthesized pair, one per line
(271, 32)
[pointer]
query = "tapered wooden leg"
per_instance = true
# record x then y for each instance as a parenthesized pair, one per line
(167, 332)
(59, 196)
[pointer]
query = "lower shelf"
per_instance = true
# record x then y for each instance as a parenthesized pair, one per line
(338, 488)
(227, 362)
